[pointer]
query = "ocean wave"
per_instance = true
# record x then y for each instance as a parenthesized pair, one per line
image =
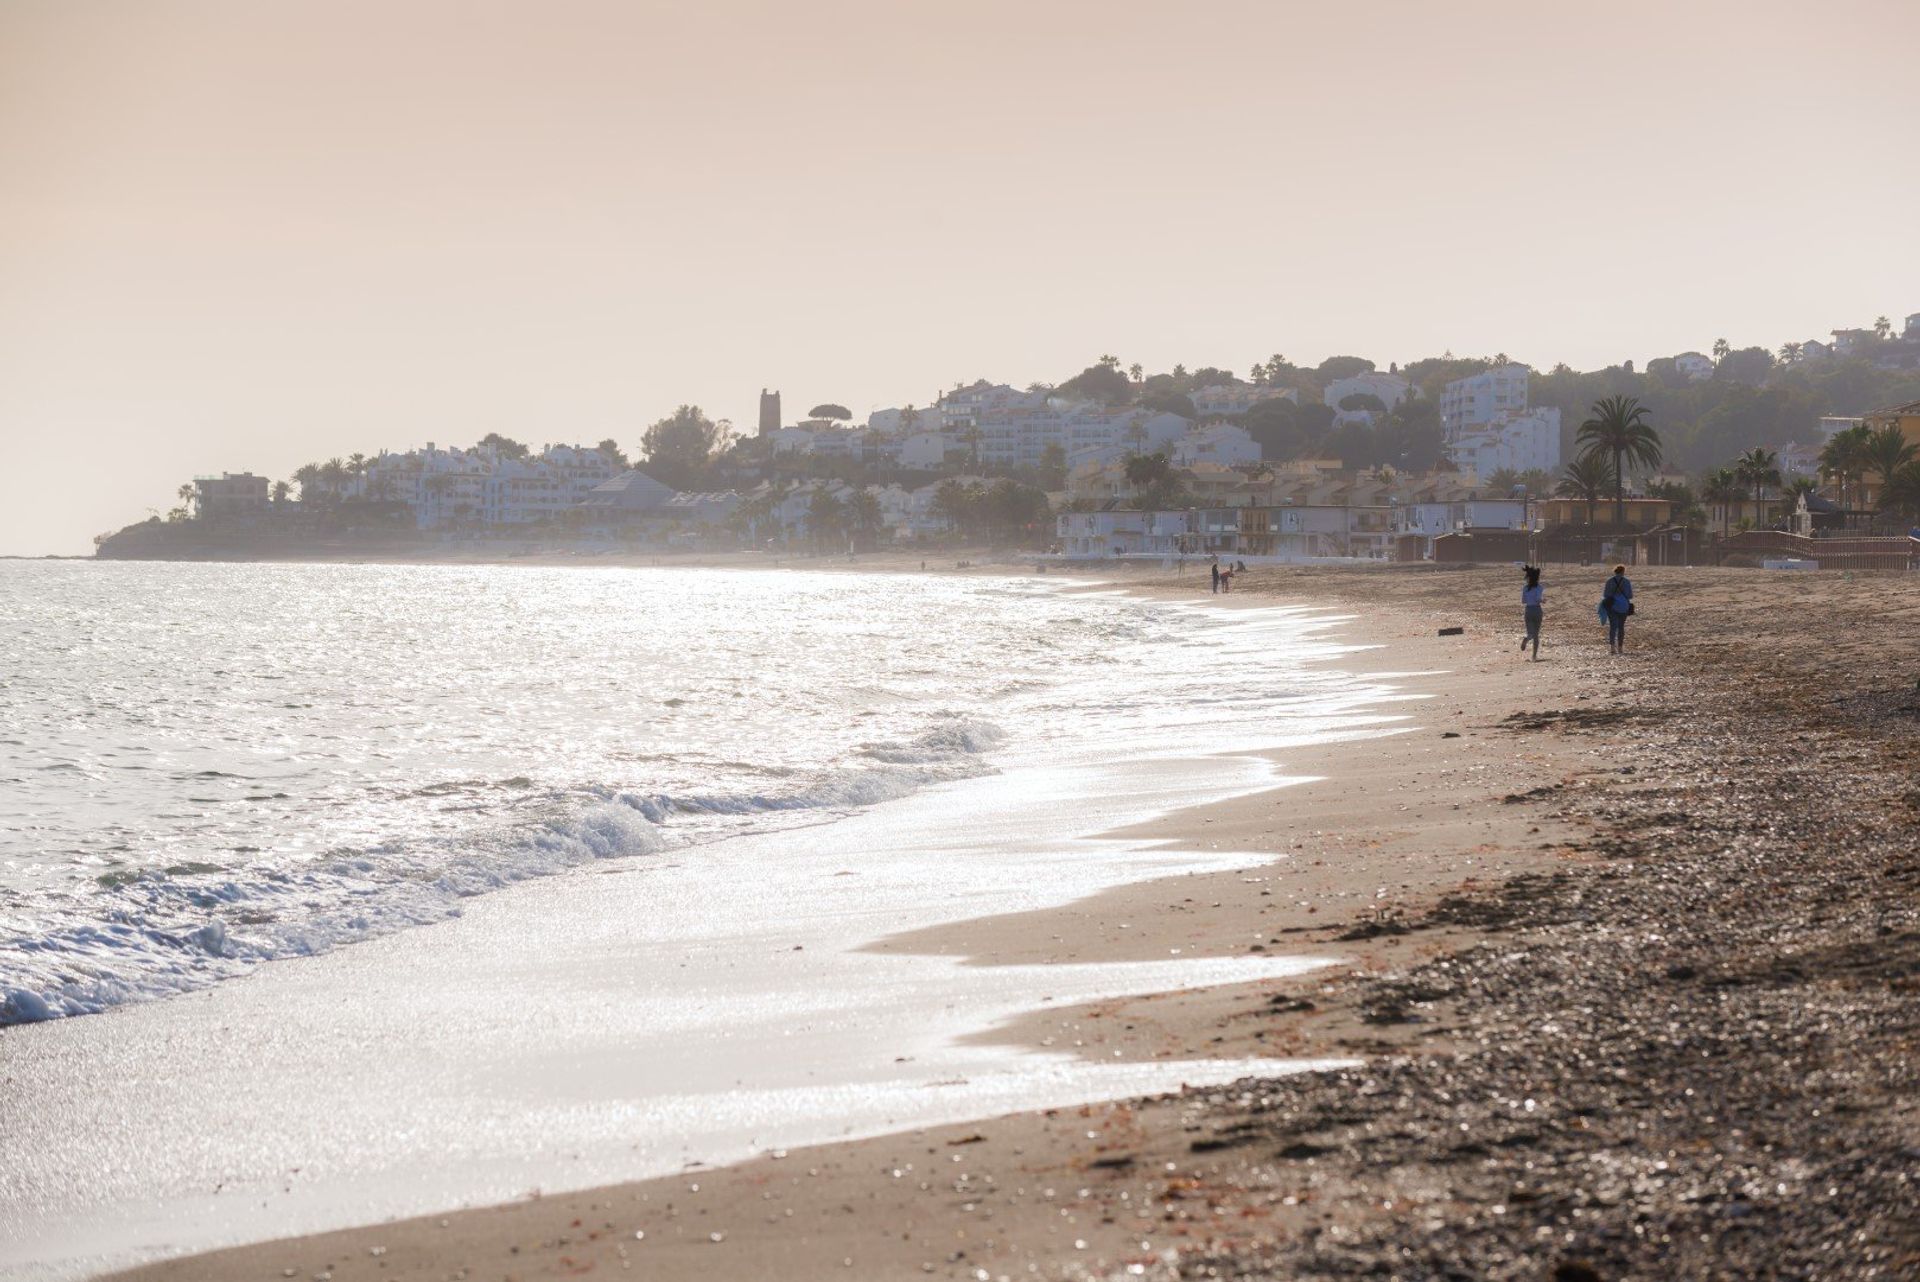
(155, 933)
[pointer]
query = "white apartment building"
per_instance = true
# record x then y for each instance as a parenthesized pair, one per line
(1799, 460)
(1479, 399)
(481, 486)
(968, 406)
(1237, 398)
(1139, 430)
(927, 451)
(1523, 442)
(1832, 425)
(1021, 438)
(230, 494)
(1215, 443)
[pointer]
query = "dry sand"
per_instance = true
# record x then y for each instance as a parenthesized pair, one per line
(1491, 833)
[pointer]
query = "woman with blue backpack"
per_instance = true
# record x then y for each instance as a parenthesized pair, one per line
(1616, 603)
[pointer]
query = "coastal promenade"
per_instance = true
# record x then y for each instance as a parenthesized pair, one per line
(1632, 951)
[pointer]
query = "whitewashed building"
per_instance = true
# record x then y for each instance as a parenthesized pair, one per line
(1697, 367)
(1215, 443)
(791, 440)
(1523, 442)
(1391, 389)
(1479, 399)
(1799, 460)
(1233, 400)
(928, 451)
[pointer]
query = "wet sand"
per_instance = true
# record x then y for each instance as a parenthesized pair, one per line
(1631, 945)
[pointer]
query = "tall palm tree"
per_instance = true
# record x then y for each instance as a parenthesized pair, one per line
(1144, 471)
(1843, 457)
(1587, 478)
(308, 477)
(1790, 352)
(863, 511)
(281, 491)
(1503, 480)
(1757, 469)
(1901, 492)
(1791, 492)
(1882, 327)
(1885, 452)
(1724, 487)
(1619, 430)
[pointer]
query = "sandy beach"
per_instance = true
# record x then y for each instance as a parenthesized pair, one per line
(1628, 958)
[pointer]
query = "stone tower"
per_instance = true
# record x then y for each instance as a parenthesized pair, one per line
(769, 411)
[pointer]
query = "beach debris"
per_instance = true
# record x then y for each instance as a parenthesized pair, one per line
(1451, 632)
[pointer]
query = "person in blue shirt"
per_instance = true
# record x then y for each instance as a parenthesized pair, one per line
(1616, 602)
(1534, 598)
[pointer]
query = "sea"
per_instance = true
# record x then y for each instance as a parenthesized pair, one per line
(336, 893)
(207, 768)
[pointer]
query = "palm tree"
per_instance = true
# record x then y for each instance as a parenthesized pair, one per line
(1503, 480)
(1882, 327)
(1587, 478)
(1619, 430)
(1790, 352)
(1901, 491)
(281, 491)
(863, 511)
(956, 504)
(1136, 372)
(1145, 471)
(308, 477)
(1757, 469)
(185, 493)
(1724, 487)
(1885, 452)
(1843, 457)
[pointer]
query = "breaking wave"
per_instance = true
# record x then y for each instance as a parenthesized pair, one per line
(166, 931)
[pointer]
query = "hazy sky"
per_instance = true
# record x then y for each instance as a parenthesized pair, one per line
(240, 235)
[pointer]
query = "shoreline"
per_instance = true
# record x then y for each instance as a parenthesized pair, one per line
(1317, 884)
(1684, 1048)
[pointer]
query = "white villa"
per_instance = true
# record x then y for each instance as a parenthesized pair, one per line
(1235, 399)
(1391, 389)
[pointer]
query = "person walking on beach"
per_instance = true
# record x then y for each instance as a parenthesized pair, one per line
(1533, 598)
(1216, 574)
(1616, 603)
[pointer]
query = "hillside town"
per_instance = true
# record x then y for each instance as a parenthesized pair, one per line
(1700, 456)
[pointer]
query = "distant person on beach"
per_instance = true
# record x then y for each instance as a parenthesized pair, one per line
(1616, 603)
(1533, 598)
(1226, 579)
(1216, 574)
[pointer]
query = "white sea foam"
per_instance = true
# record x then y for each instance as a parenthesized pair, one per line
(171, 932)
